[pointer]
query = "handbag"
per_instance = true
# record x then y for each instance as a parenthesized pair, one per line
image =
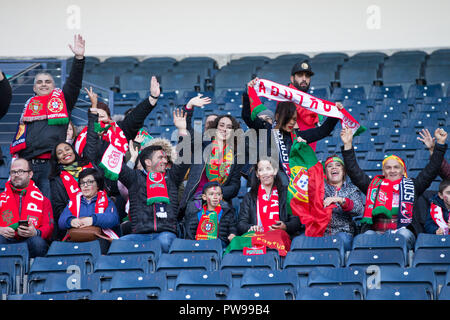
(86, 234)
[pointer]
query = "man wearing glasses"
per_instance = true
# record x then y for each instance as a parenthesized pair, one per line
(25, 214)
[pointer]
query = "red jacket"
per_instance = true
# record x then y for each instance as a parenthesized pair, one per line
(46, 220)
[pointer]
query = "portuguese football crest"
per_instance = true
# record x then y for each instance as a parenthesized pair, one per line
(299, 185)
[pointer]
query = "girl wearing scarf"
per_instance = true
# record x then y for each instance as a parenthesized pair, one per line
(281, 134)
(390, 197)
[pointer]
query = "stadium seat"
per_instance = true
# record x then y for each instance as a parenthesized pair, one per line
(151, 249)
(341, 277)
(421, 91)
(274, 279)
(122, 262)
(432, 241)
(444, 294)
(329, 293)
(214, 247)
(437, 74)
(345, 93)
(191, 294)
(52, 296)
(89, 249)
(219, 281)
(398, 293)
(45, 267)
(407, 277)
(383, 92)
(359, 258)
(119, 296)
(380, 241)
(394, 74)
(319, 244)
(69, 282)
(152, 284)
(358, 73)
(260, 294)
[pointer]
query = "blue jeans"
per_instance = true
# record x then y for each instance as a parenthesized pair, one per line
(37, 247)
(165, 238)
(347, 239)
(41, 170)
(406, 233)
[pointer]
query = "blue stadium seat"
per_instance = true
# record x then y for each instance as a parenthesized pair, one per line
(65, 282)
(358, 73)
(329, 277)
(437, 74)
(444, 294)
(438, 259)
(225, 80)
(421, 91)
(191, 294)
(151, 249)
(45, 267)
(376, 256)
(394, 74)
(344, 93)
(18, 251)
(119, 296)
(260, 294)
(89, 249)
(432, 241)
(383, 92)
(122, 262)
(152, 284)
(214, 247)
(52, 296)
(321, 93)
(319, 244)
(380, 241)
(407, 277)
(274, 279)
(219, 281)
(105, 79)
(329, 293)
(398, 293)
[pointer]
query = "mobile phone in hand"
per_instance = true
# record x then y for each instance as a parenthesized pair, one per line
(23, 223)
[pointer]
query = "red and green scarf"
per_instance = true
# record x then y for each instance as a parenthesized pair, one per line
(32, 206)
(208, 224)
(380, 196)
(157, 188)
(112, 159)
(51, 107)
(267, 208)
(218, 167)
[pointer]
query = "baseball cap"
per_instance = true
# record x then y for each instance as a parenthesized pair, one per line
(302, 66)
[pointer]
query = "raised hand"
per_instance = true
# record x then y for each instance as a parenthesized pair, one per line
(155, 90)
(198, 101)
(134, 151)
(78, 46)
(93, 97)
(252, 82)
(179, 119)
(440, 135)
(347, 138)
(339, 105)
(427, 139)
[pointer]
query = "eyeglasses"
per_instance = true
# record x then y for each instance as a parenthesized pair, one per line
(87, 183)
(18, 172)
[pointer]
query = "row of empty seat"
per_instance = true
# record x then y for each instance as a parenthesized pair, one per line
(132, 267)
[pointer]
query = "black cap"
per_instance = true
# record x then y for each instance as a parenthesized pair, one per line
(302, 66)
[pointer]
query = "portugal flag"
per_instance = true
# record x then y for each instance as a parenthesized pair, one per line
(306, 190)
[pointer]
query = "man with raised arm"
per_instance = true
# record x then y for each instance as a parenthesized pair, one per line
(46, 116)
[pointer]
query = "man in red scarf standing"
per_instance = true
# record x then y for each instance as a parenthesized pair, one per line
(390, 197)
(25, 214)
(301, 80)
(45, 117)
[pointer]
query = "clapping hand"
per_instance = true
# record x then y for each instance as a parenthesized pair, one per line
(198, 101)
(78, 47)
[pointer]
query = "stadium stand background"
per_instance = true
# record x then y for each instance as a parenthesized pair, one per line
(394, 80)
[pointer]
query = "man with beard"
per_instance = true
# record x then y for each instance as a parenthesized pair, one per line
(301, 79)
(25, 213)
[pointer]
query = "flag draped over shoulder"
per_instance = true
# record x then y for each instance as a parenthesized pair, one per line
(306, 190)
(278, 92)
(255, 243)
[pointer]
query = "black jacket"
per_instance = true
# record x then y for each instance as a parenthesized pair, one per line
(247, 214)
(41, 137)
(310, 135)
(227, 223)
(5, 96)
(421, 183)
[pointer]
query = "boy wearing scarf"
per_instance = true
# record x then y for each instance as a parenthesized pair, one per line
(390, 197)
(437, 221)
(215, 220)
(25, 214)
